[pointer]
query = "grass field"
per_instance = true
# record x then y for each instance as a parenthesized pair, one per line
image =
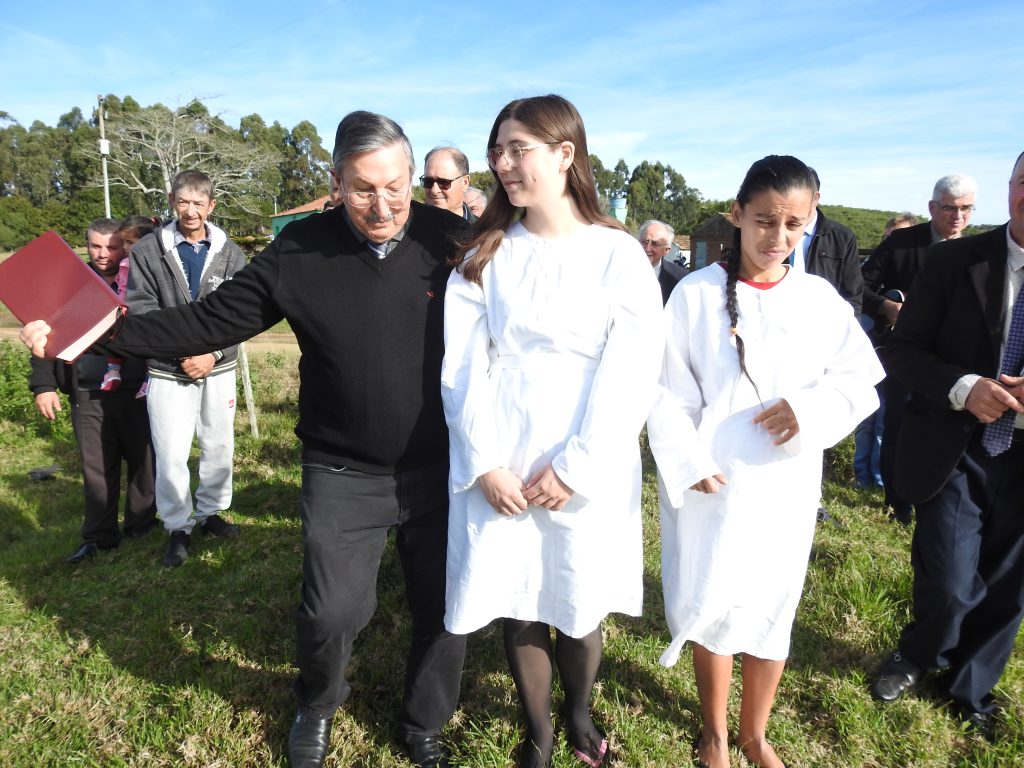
(121, 662)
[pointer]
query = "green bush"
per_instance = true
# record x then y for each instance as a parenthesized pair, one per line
(20, 221)
(17, 407)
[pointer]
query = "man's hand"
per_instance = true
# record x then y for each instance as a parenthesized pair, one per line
(198, 367)
(709, 484)
(890, 310)
(503, 491)
(545, 489)
(48, 403)
(780, 421)
(989, 399)
(33, 335)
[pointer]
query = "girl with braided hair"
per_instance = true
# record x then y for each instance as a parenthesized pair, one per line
(764, 368)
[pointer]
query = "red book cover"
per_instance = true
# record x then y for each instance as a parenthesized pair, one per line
(46, 280)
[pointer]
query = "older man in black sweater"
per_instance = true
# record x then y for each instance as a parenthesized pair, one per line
(362, 287)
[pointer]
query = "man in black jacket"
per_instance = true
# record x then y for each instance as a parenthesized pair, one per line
(656, 238)
(111, 424)
(959, 348)
(362, 287)
(890, 271)
(829, 250)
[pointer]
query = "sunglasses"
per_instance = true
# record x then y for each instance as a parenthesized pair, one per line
(444, 184)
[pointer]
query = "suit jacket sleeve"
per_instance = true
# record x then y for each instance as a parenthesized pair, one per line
(912, 353)
(874, 273)
(43, 375)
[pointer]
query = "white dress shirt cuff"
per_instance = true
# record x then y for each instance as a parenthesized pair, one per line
(958, 394)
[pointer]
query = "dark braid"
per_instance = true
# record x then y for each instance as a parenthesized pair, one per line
(732, 307)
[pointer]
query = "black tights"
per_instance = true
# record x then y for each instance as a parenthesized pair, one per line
(529, 652)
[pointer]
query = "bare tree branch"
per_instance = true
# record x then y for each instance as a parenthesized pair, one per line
(150, 146)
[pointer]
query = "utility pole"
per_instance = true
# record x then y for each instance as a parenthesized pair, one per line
(104, 151)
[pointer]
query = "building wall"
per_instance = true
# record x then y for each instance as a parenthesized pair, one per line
(709, 241)
(277, 222)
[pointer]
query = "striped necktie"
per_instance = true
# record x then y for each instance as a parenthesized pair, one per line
(999, 434)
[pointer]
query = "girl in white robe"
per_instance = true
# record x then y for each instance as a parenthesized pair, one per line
(765, 367)
(553, 341)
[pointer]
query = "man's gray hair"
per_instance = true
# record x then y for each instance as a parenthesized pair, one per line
(193, 181)
(361, 131)
(457, 155)
(954, 185)
(646, 225)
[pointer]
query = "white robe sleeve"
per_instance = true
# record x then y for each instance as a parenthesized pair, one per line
(680, 454)
(624, 384)
(466, 389)
(845, 394)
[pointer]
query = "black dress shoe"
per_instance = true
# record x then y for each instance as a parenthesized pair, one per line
(177, 549)
(895, 677)
(426, 751)
(309, 739)
(84, 552)
(980, 723)
(902, 515)
(215, 525)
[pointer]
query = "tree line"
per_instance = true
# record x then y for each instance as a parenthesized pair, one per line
(50, 177)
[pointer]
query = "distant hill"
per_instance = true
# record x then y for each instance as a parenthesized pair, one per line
(868, 224)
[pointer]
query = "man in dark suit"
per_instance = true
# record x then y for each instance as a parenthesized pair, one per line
(656, 238)
(959, 460)
(892, 268)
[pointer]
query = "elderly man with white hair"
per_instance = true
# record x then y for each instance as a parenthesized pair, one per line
(888, 275)
(656, 238)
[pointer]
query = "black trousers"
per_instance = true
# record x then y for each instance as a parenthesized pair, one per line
(346, 516)
(111, 427)
(968, 559)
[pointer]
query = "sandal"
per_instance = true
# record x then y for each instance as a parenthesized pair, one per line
(593, 762)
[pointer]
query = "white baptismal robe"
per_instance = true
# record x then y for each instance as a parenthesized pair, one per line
(553, 360)
(734, 562)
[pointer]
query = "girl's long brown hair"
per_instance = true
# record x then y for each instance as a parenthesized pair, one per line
(552, 119)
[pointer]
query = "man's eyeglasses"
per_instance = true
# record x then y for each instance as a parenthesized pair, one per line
(444, 184)
(656, 243)
(513, 153)
(393, 198)
(964, 209)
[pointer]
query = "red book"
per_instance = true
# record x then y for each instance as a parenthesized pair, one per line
(46, 280)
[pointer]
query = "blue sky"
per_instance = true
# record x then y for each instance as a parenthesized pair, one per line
(882, 98)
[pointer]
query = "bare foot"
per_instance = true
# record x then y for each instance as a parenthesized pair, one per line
(713, 751)
(759, 753)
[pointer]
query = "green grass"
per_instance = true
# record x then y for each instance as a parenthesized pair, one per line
(120, 662)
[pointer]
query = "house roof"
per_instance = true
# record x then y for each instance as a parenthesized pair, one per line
(721, 224)
(312, 205)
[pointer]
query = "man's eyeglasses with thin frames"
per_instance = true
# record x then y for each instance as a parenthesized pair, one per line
(392, 198)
